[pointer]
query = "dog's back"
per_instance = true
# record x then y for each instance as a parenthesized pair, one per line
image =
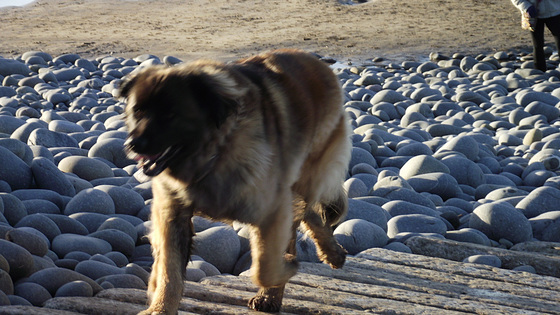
(310, 123)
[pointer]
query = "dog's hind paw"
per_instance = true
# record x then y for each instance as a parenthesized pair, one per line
(265, 303)
(336, 260)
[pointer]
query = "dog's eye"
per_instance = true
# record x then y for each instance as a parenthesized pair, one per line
(171, 116)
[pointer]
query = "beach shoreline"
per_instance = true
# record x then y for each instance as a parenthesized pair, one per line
(226, 30)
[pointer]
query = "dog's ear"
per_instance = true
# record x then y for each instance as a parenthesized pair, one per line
(219, 96)
(220, 107)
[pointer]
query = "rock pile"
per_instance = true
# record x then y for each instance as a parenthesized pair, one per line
(463, 148)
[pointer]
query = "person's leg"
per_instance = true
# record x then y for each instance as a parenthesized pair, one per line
(553, 24)
(538, 45)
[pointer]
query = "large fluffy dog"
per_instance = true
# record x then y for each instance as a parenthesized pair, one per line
(263, 141)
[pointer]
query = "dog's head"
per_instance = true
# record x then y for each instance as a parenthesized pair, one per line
(171, 111)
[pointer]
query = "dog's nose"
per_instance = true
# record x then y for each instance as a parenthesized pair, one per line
(137, 144)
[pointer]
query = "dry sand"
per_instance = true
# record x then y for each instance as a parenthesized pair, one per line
(227, 29)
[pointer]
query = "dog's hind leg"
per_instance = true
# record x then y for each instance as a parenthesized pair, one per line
(270, 299)
(272, 268)
(171, 239)
(318, 221)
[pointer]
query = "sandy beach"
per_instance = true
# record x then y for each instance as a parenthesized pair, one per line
(226, 29)
(465, 152)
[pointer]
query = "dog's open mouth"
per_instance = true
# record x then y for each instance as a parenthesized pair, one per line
(154, 164)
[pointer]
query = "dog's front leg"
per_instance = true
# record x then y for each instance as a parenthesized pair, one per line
(171, 239)
(270, 299)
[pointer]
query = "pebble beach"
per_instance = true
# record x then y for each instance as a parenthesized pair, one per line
(463, 148)
(458, 145)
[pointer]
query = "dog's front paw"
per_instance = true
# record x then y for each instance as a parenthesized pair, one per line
(265, 303)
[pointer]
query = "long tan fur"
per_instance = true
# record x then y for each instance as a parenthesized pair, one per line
(270, 149)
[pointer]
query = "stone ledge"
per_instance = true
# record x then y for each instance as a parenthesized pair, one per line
(377, 280)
